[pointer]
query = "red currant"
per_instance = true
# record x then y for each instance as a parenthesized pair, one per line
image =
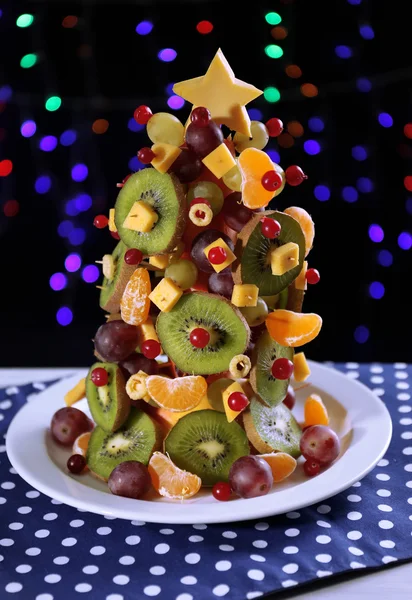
(270, 228)
(294, 175)
(133, 257)
(312, 276)
(237, 401)
(222, 491)
(76, 463)
(282, 368)
(217, 255)
(200, 116)
(199, 337)
(271, 181)
(146, 155)
(100, 221)
(142, 114)
(311, 468)
(99, 376)
(150, 348)
(115, 235)
(274, 127)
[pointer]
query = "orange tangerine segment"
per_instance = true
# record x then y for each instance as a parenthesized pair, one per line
(253, 164)
(315, 411)
(170, 481)
(81, 443)
(177, 395)
(135, 302)
(293, 329)
(305, 221)
(281, 464)
(169, 418)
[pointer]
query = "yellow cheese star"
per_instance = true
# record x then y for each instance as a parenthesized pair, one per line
(220, 92)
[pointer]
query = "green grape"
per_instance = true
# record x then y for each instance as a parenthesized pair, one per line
(281, 172)
(271, 301)
(259, 139)
(165, 128)
(183, 273)
(233, 179)
(255, 315)
(208, 190)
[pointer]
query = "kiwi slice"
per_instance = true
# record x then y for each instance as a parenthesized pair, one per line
(229, 333)
(109, 404)
(271, 390)
(294, 299)
(136, 440)
(253, 248)
(272, 428)
(113, 289)
(165, 194)
(204, 443)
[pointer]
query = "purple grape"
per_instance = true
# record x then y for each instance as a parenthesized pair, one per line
(67, 424)
(320, 443)
(201, 241)
(290, 398)
(187, 167)
(221, 283)
(115, 340)
(250, 476)
(130, 479)
(203, 140)
(235, 213)
(138, 362)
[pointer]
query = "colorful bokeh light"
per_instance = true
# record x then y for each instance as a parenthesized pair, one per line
(144, 27)
(273, 51)
(311, 147)
(64, 316)
(376, 233)
(385, 258)
(376, 290)
(48, 143)
(255, 114)
(364, 185)
(58, 281)
(68, 137)
(273, 155)
(361, 334)
(28, 60)
(366, 32)
(271, 94)
(53, 103)
(24, 20)
(167, 55)
(363, 84)
(90, 273)
(5, 93)
(43, 184)
(405, 240)
(28, 129)
(204, 27)
(316, 124)
(293, 71)
(322, 193)
(343, 51)
(79, 172)
(133, 125)
(279, 33)
(350, 194)
(11, 208)
(175, 102)
(385, 119)
(73, 263)
(100, 126)
(77, 236)
(407, 182)
(70, 21)
(83, 202)
(309, 90)
(273, 18)
(359, 153)
(64, 228)
(6, 167)
(407, 130)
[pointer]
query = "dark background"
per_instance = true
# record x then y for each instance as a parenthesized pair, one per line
(102, 69)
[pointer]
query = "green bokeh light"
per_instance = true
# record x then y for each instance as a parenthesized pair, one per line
(273, 18)
(28, 60)
(24, 20)
(53, 103)
(273, 51)
(271, 94)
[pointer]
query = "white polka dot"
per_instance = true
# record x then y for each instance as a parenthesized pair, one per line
(188, 580)
(256, 574)
(252, 595)
(323, 509)
(356, 565)
(388, 559)
(323, 573)
(289, 583)
(52, 578)
(403, 397)
(354, 515)
(5, 404)
(12, 390)
(383, 493)
(290, 550)
(357, 484)
(230, 535)
(262, 526)
(157, 570)
(292, 532)
(24, 510)
(2, 500)
(70, 541)
(6, 542)
(355, 551)
(16, 526)
(407, 451)
(384, 524)
(229, 548)
(376, 369)
(379, 391)
(184, 597)
(290, 568)
(404, 409)
(353, 375)
(115, 597)
(323, 558)
(132, 540)
(139, 523)
(221, 590)
(408, 484)
(385, 507)
(406, 435)
(260, 543)
(83, 588)
(50, 517)
(401, 375)
(354, 535)
(13, 587)
(44, 597)
(33, 551)
(13, 471)
(408, 468)
(400, 365)
(121, 579)
(223, 565)
(8, 485)
(42, 533)
(109, 517)
(152, 590)
(57, 503)
(377, 379)
(23, 569)
(323, 524)
(32, 494)
(405, 421)
(61, 560)
(199, 526)
(323, 539)
(76, 523)
(196, 538)
(387, 544)
(104, 530)
(293, 515)
(257, 558)
(97, 550)
(192, 559)
(352, 365)
(162, 548)
(354, 498)
(402, 385)
(127, 560)
(166, 531)
(90, 569)
(409, 500)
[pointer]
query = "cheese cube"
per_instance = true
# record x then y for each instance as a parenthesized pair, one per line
(160, 262)
(165, 156)
(301, 370)
(245, 294)
(166, 294)
(112, 224)
(284, 258)
(147, 331)
(300, 281)
(219, 161)
(231, 414)
(230, 257)
(141, 217)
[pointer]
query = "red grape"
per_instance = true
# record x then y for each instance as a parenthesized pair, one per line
(201, 116)
(138, 362)
(311, 467)
(187, 166)
(146, 155)
(290, 398)
(203, 140)
(221, 491)
(67, 424)
(320, 443)
(200, 242)
(76, 463)
(250, 476)
(235, 213)
(142, 114)
(150, 348)
(100, 221)
(115, 340)
(130, 479)
(133, 256)
(221, 283)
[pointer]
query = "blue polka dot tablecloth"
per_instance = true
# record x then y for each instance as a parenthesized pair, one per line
(49, 551)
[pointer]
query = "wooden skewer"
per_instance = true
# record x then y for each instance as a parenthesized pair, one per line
(98, 262)
(101, 287)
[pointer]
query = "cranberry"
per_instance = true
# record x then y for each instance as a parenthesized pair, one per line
(199, 337)
(274, 127)
(271, 181)
(312, 276)
(100, 221)
(311, 468)
(150, 348)
(217, 255)
(270, 228)
(282, 368)
(221, 491)
(133, 257)
(99, 376)
(142, 114)
(294, 175)
(146, 155)
(237, 401)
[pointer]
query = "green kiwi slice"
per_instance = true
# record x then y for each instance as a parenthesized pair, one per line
(109, 404)
(205, 443)
(136, 440)
(272, 428)
(229, 333)
(253, 249)
(271, 390)
(113, 289)
(165, 194)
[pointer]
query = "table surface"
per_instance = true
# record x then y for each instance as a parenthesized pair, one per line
(383, 585)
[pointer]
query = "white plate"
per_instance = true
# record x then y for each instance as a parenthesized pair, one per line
(357, 415)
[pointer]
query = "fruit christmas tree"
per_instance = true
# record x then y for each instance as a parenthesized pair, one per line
(203, 299)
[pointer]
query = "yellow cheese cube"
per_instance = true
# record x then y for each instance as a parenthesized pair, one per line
(166, 294)
(166, 155)
(300, 281)
(301, 370)
(112, 224)
(141, 217)
(76, 393)
(284, 258)
(160, 262)
(245, 294)
(230, 257)
(231, 414)
(219, 161)
(147, 331)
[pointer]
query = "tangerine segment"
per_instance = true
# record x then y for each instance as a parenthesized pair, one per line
(315, 411)
(281, 464)
(81, 443)
(177, 395)
(253, 164)
(170, 481)
(135, 302)
(293, 329)
(169, 418)
(305, 221)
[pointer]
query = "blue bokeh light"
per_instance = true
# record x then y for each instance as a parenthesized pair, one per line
(167, 55)
(408, 205)
(343, 51)
(42, 184)
(322, 193)
(68, 137)
(316, 124)
(73, 262)
(405, 240)
(134, 164)
(364, 185)
(385, 258)
(64, 228)
(144, 27)
(274, 156)
(359, 153)
(376, 290)
(361, 334)
(28, 129)
(79, 172)
(385, 119)
(354, 2)
(366, 32)
(349, 193)
(58, 281)
(255, 114)
(77, 236)
(71, 208)
(376, 233)
(90, 273)
(133, 125)
(5, 93)
(48, 143)
(83, 202)
(363, 84)
(311, 147)
(175, 102)
(64, 316)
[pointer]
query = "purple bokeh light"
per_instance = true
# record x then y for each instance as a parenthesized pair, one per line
(376, 233)
(322, 193)
(366, 32)
(73, 262)
(361, 334)
(64, 228)
(311, 147)
(144, 27)
(175, 102)
(376, 290)
(5, 93)
(64, 316)
(385, 258)
(363, 84)
(68, 137)
(167, 55)
(169, 89)
(316, 124)
(255, 114)
(48, 143)
(385, 119)
(133, 125)
(42, 184)
(28, 129)
(90, 274)
(77, 236)
(79, 172)
(405, 240)
(350, 194)
(83, 202)
(343, 51)
(274, 156)
(354, 2)
(71, 208)
(58, 281)
(359, 153)
(364, 185)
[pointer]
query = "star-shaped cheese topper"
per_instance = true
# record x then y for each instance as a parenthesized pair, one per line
(220, 92)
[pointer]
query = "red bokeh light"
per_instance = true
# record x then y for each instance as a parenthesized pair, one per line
(407, 130)
(11, 208)
(6, 167)
(407, 182)
(204, 27)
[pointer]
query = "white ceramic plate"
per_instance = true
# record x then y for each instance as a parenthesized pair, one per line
(357, 415)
